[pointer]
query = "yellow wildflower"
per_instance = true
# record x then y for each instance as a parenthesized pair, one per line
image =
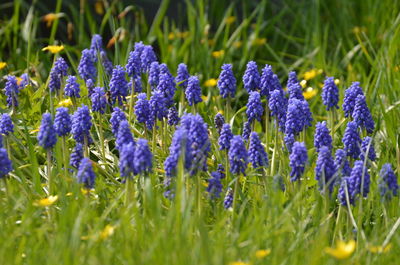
(218, 54)
(262, 253)
(99, 8)
(107, 232)
(46, 201)
(312, 73)
(2, 65)
(86, 191)
(204, 98)
(54, 48)
(34, 131)
(182, 35)
(229, 20)
(237, 44)
(380, 249)
(303, 83)
(68, 194)
(310, 93)
(221, 111)
(65, 103)
(343, 250)
(171, 36)
(337, 81)
(49, 18)
(211, 82)
(259, 41)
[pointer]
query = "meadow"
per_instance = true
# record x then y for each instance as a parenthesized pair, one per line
(199, 132)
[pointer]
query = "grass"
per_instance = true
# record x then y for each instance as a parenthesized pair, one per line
(351, 40)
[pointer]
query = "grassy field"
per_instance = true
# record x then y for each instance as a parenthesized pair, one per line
(120, 224)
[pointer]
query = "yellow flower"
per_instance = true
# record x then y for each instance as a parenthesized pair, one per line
(312, 73)
(99, 8)
(218, 54)
(221, 111)
(237, 44)
(259, 41)
(182, 35)
(310, 93)
(303, 83)
(65, 103)
(239, 263)
(380, 249)
(229, 20)
(171, 36)
(343, 250)
(46, 201)
(107, 231)
(2, 65)
(68, 194)
(86, 191)
(337, 81)
(49, 18)
(204, 98)
(34, 131)
(211, 82)
(262, 253)
(54, 48)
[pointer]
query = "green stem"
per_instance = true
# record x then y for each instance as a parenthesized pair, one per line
(267, 128)
(332, 123)
(228, 109)
(131, 101)
(49, 178)
(129, 191)
(199, 194)
(65, 156)
(101, 136)
(273, 161)
(235, 194)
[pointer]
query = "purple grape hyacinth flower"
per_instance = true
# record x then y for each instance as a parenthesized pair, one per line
(251, 77)
(255, 109)
(47, 134)
(238, 155)
(298, 160)
(350, 97)
(62, 122)
(226, 135)
(322, 136)
(227, 82)
(193, 91)
(330, 94)
(182, 76)
(72, 88)
(257, 155)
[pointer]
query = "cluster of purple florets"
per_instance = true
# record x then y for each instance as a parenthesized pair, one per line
(190, 151)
